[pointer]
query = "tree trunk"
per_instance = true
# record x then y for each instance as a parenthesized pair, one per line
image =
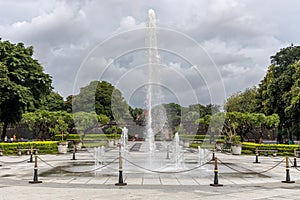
(4, 130)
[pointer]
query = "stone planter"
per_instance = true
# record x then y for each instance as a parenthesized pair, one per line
(236, 149)
(62, 147)
(186, 143)
(110, 143)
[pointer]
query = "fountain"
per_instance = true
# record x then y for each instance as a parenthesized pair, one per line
(124, 140)
(177, 153)
(167, 156)
(99, 155)
(153, 60)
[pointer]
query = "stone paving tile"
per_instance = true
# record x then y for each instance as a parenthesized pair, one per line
(98, 180)
(133, 181)
(203, 181)
(62, 180)
(238, 181)
(185, 181)
(169, 181)
(111, 180)
(151, 181)
(80, 180)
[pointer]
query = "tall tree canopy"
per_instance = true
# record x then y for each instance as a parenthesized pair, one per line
(102, 98)
(279, 91)
(242, 101)
(22, 82)
(53, 102)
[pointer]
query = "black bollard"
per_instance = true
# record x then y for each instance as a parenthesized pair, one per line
(295, 162)
(216, 180)
(287, 177)
(168, 156)
(213, 155)
(295, 159)
(121, 182)
(35, 175)
(256, 156)
(30, 159)
(74, 152)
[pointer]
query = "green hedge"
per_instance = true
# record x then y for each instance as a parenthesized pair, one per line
(45, 147)
(69, 137)
(249, 148)
(101, 136)
(203, 145)
(282, 149)
(200, 137)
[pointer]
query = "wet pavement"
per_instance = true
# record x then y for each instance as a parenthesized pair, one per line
(64, 178)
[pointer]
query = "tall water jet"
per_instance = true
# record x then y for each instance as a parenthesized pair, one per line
(124, 140)
(153, 60)
(99, 155)
(177, 153)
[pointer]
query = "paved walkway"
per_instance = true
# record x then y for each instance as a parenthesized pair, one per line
(64, 178)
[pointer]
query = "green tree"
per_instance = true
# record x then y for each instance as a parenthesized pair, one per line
(278, 91)
(68, 104)
(85, 121)
(22, 82)
(173, 112)
(103, 119)
(52, 102)
(46, 124)
(242, 101)
(102, 98)
(239, 124)
(138, 116)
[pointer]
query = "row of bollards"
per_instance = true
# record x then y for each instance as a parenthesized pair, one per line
(35, 170)
(287, 176)
(122, 183)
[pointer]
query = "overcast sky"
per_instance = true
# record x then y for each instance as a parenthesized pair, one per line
(238, 36)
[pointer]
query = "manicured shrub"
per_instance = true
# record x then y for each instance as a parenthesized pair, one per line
(101, 136)
(45, 147)
(282, 149)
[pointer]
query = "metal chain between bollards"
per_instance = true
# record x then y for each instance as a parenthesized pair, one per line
(297, 168)
(262, 172)
(165, 172)
(95, 169)
(46, 162)
(14, 162)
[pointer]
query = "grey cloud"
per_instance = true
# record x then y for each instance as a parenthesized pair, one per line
(238, 36)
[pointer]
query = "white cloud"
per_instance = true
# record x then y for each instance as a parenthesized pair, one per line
(130, 22)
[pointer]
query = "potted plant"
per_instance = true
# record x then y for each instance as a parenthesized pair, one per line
(60, 127)
(62, 145)
(236, 145)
